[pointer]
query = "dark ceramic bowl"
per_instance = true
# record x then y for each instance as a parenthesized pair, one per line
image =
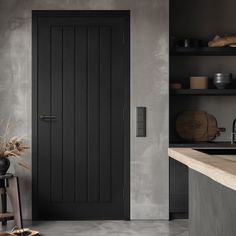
(4, 165)
(222, 80)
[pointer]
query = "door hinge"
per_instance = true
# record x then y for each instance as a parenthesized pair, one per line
(123, 115)
(123, 38)
(123, 193)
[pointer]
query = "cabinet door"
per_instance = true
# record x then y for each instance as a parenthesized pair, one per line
(178, 189)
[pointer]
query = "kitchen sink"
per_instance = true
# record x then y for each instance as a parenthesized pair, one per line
(217, 151)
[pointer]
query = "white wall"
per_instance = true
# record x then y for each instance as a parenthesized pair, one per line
(149, 87)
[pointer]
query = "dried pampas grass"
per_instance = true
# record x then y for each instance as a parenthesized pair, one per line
(13, 146)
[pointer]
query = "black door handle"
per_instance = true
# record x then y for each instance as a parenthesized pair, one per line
(46, 117)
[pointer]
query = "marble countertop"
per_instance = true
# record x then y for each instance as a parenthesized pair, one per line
(221, 168)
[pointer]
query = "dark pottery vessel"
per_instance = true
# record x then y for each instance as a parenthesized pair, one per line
(4, 165)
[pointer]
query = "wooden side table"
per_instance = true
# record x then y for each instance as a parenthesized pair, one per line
(9, 188)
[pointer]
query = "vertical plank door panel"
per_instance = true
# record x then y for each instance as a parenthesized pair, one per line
(44, 108)
(81, 114)
(68, 113)
(105, 114)
(117, 97)
(56, 110)
(93, 114)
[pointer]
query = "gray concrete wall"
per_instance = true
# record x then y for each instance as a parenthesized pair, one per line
(149, 87)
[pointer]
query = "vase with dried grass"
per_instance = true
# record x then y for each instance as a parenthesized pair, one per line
(11, 148)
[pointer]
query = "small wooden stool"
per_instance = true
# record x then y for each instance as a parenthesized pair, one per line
(9, 187)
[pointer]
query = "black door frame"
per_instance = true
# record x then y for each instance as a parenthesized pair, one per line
(68, 13)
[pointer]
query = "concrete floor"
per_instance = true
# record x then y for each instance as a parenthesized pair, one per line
(110, 228)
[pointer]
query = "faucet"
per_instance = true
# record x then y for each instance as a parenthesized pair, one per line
(233, 132)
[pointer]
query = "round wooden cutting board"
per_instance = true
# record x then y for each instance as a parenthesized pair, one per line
(197, 126)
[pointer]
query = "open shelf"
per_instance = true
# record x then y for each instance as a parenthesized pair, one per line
(203, 51)
(203, 144)
(206, 92)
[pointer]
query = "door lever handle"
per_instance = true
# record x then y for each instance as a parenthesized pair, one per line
(46, 117)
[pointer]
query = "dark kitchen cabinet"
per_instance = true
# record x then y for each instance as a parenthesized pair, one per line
(201, 20)
(178, 189)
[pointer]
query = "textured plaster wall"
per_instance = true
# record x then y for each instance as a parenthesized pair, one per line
(149, 87)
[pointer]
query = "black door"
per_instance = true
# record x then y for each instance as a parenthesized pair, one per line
(80, 115)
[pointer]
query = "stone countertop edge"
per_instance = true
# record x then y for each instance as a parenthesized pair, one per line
(215, 167)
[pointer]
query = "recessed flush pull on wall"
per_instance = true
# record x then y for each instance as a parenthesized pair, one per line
(141, 122)
(46, 117)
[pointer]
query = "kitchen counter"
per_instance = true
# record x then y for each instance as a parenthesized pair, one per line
(220, 168)
(211, 191)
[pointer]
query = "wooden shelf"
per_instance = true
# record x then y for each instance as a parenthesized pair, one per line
(203, 51)
(205, 92)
